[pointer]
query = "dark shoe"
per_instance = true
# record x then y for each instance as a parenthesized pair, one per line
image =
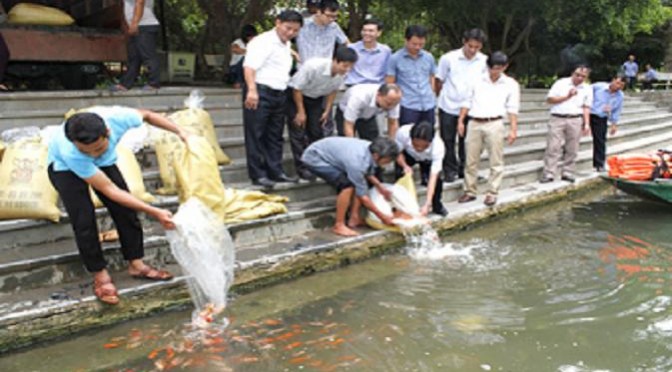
(263, 181)
(306, 175)
(440, 209)
(424, 181)
(569, 179)
(466, 198)
(490, 200)
(285, 178)
(546, 179)
(451, 177)
(599, 169)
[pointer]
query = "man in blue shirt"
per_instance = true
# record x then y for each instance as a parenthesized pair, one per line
(347, 164)
(412, 68)
(372, 56)
(83, 154)
(650, 77)
(630, 69)
(606, 108)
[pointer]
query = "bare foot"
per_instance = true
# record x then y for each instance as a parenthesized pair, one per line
(344, 230)
(355, 222)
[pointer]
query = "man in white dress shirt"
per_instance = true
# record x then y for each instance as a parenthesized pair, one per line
(267, 66)
(571, 98)
(359, 106)
(493, 97)
(456, 74)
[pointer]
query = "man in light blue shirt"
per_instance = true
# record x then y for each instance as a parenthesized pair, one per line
(412, 68)
(320, 33)
(630, 69)
(650, 77)
(606, 109)
(372, 56)
(82, 155)
(347, 164)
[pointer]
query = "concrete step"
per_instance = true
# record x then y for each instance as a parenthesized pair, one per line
(30, 274)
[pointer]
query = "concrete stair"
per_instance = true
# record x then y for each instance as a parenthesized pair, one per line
(40, 270)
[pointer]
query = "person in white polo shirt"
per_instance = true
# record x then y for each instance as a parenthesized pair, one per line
(266, 68)
(494, 96)
(571, 98)
(314, 89)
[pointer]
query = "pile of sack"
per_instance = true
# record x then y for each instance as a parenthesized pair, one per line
(641, 167)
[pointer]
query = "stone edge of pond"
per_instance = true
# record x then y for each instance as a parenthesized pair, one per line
(22, 330)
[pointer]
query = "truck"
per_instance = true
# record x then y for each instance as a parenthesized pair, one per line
(72, 56)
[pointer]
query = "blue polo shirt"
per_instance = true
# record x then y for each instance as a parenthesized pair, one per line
(412, 76)
(65, 156)
(603, 97)
(630, 69)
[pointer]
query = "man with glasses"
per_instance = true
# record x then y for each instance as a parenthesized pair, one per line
(572, 99)
(321, 33)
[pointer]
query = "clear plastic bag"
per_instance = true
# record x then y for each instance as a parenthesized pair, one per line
(10, 136)
(203, 247)
(195, 99)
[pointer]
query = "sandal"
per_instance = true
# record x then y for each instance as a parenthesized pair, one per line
(151, 273)
(105, 291)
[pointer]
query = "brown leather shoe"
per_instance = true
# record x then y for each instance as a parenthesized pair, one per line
(490, 200)
(466, 198)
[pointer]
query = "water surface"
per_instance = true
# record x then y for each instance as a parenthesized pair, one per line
(584, 285)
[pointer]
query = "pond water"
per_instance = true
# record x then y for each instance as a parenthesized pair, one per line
(583, 285)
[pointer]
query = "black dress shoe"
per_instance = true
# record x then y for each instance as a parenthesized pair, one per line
(306, 175)
(440, 210)
(466, 198)
(451, 177)
(599, 169)
(569, 179)
(285, 178)
(263, 181)
(546, 179)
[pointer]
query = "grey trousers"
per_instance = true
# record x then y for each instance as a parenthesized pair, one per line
(562, 146)
(142, 49)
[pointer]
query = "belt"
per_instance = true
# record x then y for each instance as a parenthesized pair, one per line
(566, 116)
(269, 90)
(486, 120)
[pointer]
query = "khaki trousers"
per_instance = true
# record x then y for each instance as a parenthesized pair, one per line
(562, 143)
(491, 135)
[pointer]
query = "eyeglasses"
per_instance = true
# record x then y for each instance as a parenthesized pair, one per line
(580, 75)
(332, 16)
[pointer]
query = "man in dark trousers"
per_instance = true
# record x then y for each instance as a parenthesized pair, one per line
(606, 109)
(266, 68)
(84, 154)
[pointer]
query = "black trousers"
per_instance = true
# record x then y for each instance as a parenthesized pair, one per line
(74, 193)
(4, 58)
(263, 133)
(453, 166)
(142, 49)
(301, 137)
(630, 82)
(425, 167)
(598, 127)
(410, 116)
(366, 128)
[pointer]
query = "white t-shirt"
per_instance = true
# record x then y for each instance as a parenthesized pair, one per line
(574, 105)
(148, 17)
(235, 58)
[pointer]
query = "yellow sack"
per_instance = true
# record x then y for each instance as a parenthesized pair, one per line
(169, 148)
(34, 14)
(25, 189)
(198, 176)
(2, 149)
(198, 121)
(132, 173)
(405, 200)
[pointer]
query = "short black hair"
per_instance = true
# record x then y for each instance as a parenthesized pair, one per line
(247, 32)
(290, 16)
(85, 127)
(475, 34)
(386, 88)
(415, 30)
(498, 58)
(345, 54)
(423, 130)
(620, 76)
(329, 5)
(580, 66)
(373, 21)
(384, 147)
